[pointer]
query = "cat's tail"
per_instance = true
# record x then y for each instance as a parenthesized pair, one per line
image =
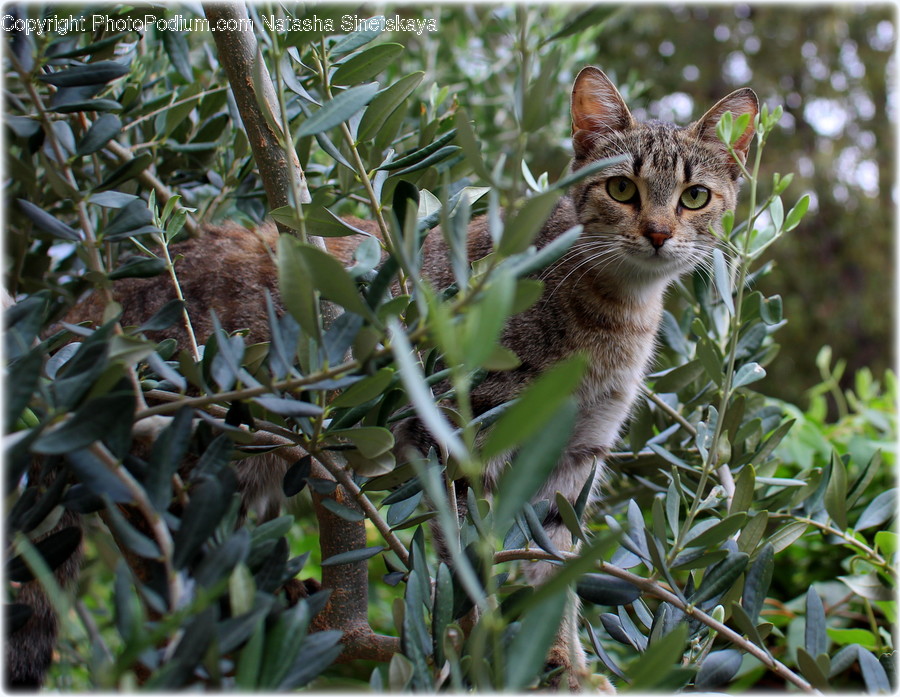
(30, 647)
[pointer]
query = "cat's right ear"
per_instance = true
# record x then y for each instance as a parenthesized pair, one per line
(597, 108)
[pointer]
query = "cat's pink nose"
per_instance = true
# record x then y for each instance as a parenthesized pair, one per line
(657, 234)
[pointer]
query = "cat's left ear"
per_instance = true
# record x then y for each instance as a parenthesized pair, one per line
(740, 102)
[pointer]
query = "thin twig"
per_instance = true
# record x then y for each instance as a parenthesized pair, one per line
(658, 401)
(655, 589)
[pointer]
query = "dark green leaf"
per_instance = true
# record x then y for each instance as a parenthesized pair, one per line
(139, 267)
(537, 404)
(352, 556)
(55, 549)
(339, 109)
(521, 228)
(136, 542)
(353, 41)
(718, 579)
(220, 562)
(718, 669)
(93, 421)
(756, 583)
(811, 670)
(581, 20)
(343, 511)
(295, 477)
(207, 505)
(815, 636)
(177, 49)
(288, 407)
(874, 674)
(836, 493)
(128, 170)
(366, 64)
(133, 219)
(717, 533)
(385, 103)
(168, 450)
(103, 130)
(533, 463)
(317, 653)
(603, 589)
(164, 317)
(528, 650)
(661, 656)
(47, 223)
(92, 74)
(97, 477)
(881, 509)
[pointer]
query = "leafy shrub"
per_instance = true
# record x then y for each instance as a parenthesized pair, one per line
(119, 145)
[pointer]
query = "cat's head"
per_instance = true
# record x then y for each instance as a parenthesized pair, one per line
(649, 216)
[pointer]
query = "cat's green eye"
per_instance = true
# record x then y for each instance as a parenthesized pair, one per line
(695, 197)
(622, 189)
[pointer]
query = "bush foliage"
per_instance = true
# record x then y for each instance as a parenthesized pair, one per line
(742, 541)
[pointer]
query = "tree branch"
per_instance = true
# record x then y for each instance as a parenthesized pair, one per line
(237, 52)
(655, 589)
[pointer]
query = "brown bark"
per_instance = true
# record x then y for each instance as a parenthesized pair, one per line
(347, 609)
(237, 52)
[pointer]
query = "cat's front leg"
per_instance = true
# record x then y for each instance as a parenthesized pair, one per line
(577, 468)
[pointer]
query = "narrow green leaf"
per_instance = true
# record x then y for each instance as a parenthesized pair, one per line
(528, 650)
(795, 215)
(756, 583)
(133, 219)
(521, 228)
(874, 675)
(718, 579)
(748, 373)
(811, 670)
(296, 285)
(139, 267)
(881, 509)
(868, 586)
(533, 463)
(91, 74)
(385, 103)
(414, 381)
(717, 533)
(717, 669)
(343, 511)
(466, 138)
(661, 656)
(103, 130)
(338, 110)
(537, 404)
(815, 636)
(353, 556)
(332, 280)
(288, 407)
(603, 589)
(207, 505)
(836, 493)
(743, 490)
(47, 223)
(91, 422)
(722, 279)
(785, 536)
(366, 64)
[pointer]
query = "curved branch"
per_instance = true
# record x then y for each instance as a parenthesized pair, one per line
(655, 589)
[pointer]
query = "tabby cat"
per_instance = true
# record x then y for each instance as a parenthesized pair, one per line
(645, 221)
